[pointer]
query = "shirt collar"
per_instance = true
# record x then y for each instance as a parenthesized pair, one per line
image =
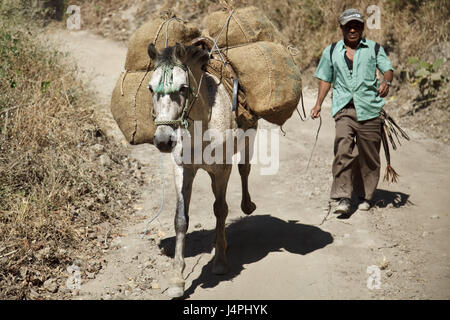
(362, 43)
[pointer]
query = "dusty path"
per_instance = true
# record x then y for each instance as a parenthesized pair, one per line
(289, 248)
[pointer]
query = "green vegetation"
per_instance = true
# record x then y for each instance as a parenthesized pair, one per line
(427, 76)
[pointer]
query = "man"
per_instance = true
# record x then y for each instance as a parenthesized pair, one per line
(356, 104)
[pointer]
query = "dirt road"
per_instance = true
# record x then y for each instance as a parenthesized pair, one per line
(291, 247)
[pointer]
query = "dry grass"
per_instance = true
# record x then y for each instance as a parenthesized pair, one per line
(54, 193)
(408, 28)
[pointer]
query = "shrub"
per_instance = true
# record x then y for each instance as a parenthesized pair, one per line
(50, 180)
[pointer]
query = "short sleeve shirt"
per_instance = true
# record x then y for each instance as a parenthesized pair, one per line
(362, 84)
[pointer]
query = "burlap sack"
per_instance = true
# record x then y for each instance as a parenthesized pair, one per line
(247, 25)
(270, 79)
(134, 116)
(137, 56)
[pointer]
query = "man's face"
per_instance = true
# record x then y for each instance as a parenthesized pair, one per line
(352, 31)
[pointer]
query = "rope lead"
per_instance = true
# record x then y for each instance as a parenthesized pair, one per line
(161, 164)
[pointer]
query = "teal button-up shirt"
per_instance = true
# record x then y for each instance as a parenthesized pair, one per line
(362, 84)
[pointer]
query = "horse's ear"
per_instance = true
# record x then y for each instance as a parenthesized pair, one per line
(152, 51)
(203, 57)
(180, 52)
(198, 55)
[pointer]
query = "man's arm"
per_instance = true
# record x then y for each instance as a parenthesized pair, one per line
(324, 87)
(383, 90)
(385, 66)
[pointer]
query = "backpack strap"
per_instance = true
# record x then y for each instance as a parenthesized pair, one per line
(333, 45)
(377, 48)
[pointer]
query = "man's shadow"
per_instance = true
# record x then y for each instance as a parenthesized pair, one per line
(250, 239)
(381, 199)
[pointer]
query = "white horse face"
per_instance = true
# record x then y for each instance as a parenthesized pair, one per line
(170, 87)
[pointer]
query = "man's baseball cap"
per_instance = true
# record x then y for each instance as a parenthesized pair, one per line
(349, 15)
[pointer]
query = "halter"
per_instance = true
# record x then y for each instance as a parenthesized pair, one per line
(165, 86)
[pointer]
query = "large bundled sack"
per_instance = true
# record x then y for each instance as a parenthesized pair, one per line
(155, 31)
(246, 25)
(131, 106)
(266, 69)
(270, 78)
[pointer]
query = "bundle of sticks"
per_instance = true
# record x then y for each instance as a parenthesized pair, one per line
(389, 130)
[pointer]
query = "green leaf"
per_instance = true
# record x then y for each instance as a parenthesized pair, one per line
(424, 65)
(44, 86)
(437, 64)
(413, 60)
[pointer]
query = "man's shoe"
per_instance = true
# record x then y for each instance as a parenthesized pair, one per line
(344, 206)
(364, 206)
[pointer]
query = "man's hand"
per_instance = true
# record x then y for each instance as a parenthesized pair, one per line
(315, 112)
(324, 87)
(383, 90)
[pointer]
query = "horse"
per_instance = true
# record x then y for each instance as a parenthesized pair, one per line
(184, 93)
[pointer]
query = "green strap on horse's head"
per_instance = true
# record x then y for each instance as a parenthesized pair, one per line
(165, 85)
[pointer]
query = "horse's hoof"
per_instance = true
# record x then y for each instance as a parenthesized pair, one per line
(248, 207)
(176, 288)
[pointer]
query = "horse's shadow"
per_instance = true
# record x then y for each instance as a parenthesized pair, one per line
(250, 239)
(381, 199)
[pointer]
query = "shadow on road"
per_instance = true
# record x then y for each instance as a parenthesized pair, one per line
(250, 239)
(381, 199)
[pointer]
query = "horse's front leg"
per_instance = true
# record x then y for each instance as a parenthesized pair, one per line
(219, 182)
(247, 206)
(184, 176)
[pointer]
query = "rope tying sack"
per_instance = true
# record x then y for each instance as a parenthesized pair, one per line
(261, 58)
(220, 67)
(226, 74)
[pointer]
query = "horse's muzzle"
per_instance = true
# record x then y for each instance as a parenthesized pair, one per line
(164, 139)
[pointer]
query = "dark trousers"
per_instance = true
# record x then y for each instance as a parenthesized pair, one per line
(356, 165)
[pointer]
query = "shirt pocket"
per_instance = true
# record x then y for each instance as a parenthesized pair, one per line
(370, 69)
